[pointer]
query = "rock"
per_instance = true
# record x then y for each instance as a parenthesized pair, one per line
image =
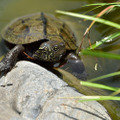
(30, 92)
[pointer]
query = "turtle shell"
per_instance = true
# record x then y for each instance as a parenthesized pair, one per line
(37, 27)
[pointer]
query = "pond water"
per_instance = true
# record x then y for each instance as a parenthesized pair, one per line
(15, 8)
(10, 9)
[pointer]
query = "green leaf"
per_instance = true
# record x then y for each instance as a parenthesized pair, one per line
(100, 54)
(100, 20)
(93, 98)
(106, 39)
(104, 76)
(104, 4)
(96, 85)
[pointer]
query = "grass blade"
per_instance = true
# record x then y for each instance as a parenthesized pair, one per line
(103, 21)
(96, 85)
(104, 4)
(106, 39)
(100, 54)
(93, 98)
(104, 76)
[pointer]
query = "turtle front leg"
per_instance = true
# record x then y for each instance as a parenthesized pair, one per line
(9, 60)
(75, 66)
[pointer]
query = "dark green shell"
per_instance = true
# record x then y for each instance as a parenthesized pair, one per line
(36, 27)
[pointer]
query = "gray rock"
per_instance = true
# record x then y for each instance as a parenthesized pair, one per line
(31, 92)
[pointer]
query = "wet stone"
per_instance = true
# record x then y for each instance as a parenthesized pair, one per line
(30, 92)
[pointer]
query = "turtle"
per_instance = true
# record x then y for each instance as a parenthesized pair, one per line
(38, 37)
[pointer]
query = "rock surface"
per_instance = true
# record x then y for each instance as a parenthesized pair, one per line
(30, 92)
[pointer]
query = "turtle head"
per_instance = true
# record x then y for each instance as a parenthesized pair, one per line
(50, 51)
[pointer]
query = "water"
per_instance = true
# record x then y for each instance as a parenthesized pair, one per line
(10, 9)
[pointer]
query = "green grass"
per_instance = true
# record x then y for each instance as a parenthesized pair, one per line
(93, 98)
(92, 52)
(100, 20)
(117, 4)
(104, 76)
(104, 40)
(96, 85)
(100, 54)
